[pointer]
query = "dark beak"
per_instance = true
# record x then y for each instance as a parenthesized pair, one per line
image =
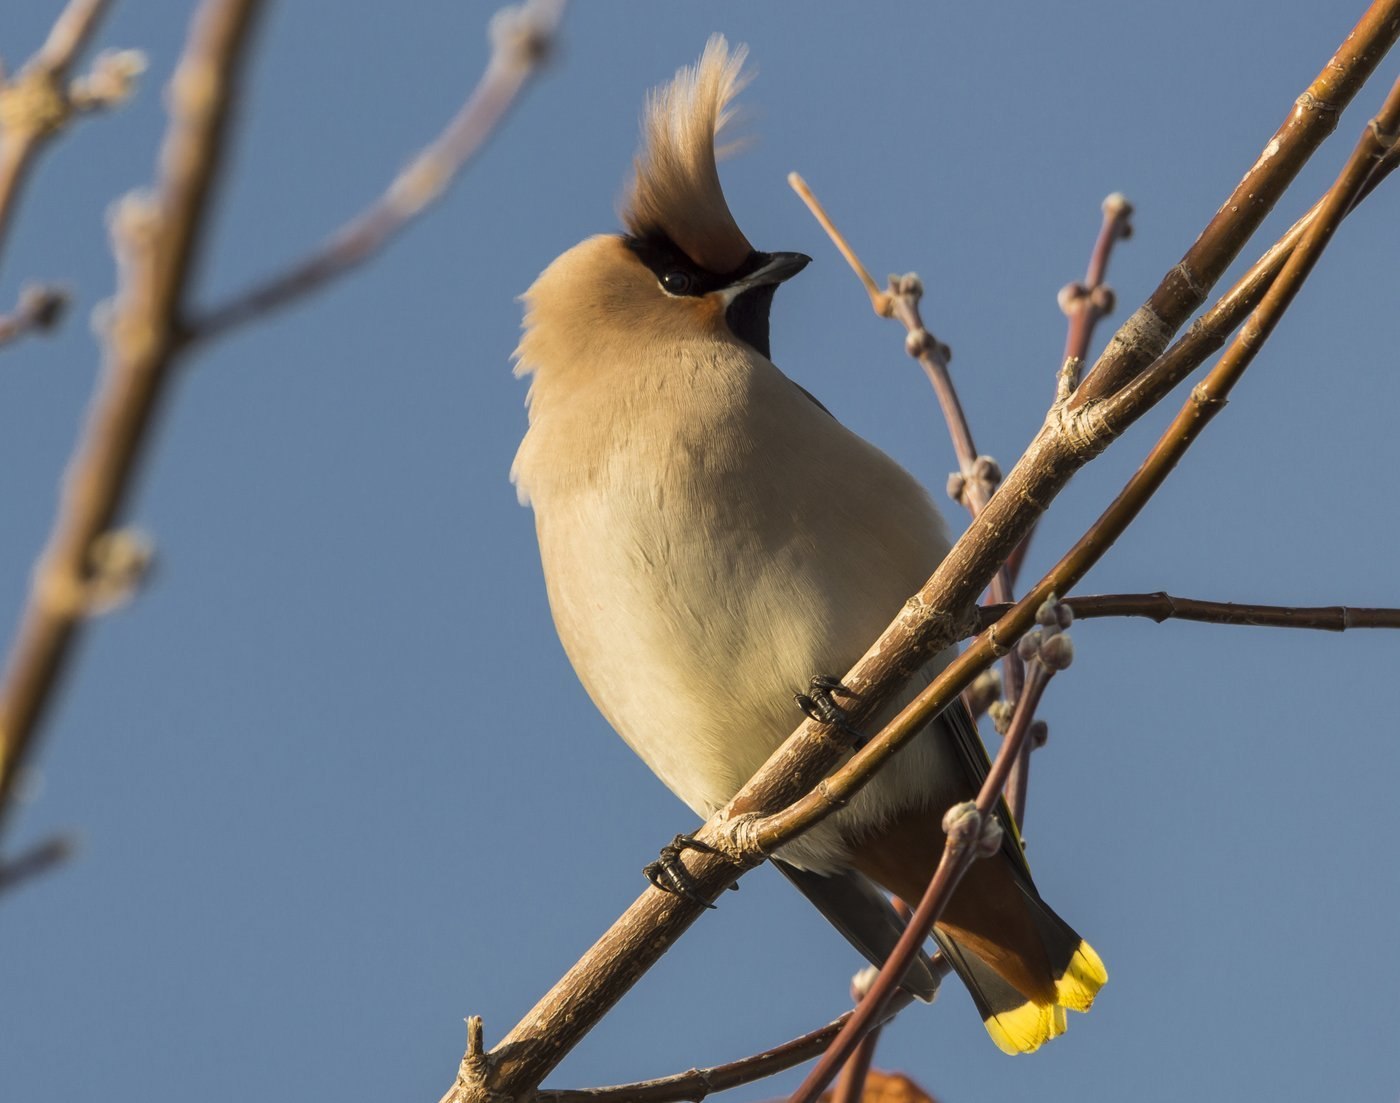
(774, 269)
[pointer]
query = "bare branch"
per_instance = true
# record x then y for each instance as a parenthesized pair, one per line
(1313, 118)
(523, 39)
(36, 861)
(1206, 400)
(1161, 606)
(39, 310)
(35, 104)
(157, 240)
(972, 832)
(695, 1084)
(930, 621)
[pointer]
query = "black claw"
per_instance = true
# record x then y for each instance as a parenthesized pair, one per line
(668, 872)
(819, 705)
(824, 683)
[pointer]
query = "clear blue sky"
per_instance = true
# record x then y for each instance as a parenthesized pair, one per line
(337, 785)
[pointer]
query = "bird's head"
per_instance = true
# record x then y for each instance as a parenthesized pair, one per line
(683, 269)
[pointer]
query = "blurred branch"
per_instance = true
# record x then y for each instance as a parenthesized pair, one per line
(37, 860)
(523, 40)
(37, 102)
(39, 310)
(156, 238)
(747, 827)
(1162, 606)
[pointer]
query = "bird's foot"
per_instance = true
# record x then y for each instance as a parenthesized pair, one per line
(668, 872)
(819, 703)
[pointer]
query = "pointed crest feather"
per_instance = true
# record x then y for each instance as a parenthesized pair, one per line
(675, 188)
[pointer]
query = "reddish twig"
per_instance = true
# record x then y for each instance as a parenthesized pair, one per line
(1161, 606)
(972, 831)
(695, 1084)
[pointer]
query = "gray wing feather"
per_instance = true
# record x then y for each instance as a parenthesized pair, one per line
(864, 915)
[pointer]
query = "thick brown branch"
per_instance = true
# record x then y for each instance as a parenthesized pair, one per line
(1313, 118)
(158, 240)
(1206, 400)
(932, 619)
(1162, 606)
(523, 39)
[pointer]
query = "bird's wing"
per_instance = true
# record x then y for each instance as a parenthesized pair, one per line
(864, 915)
(958, 723)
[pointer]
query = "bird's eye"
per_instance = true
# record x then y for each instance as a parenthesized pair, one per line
(677, 282)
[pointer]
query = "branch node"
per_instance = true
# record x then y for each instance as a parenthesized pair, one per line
(110, 82)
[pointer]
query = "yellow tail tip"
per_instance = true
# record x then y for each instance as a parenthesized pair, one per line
(1026, 1028)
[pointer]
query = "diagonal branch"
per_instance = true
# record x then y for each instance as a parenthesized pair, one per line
(1205, 401)
(1313, 118)
(523, 39)
(935, 617)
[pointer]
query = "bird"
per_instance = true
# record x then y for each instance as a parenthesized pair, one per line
(712, 537)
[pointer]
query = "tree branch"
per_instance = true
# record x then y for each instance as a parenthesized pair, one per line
(35, 105)
(523, 39)
(930, 621)
(1313, 118)
(157, 242)
(1206, 400)
(1161, 606)
(39, 310)
(694, 1085)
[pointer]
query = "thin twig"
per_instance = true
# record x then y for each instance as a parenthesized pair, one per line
(157, 240)
(695, 1084)
(39, 310)
(966, 841)
(37, 860)
(978, 475)
(523, 39)
(1161, 606)
(1085, 305)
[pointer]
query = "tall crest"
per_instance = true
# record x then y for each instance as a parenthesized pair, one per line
(675, 187)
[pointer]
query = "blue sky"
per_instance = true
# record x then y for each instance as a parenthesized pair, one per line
(336, 784)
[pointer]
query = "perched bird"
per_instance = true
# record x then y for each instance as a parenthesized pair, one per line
(712, 538)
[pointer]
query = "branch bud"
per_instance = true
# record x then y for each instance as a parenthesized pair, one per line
(1001, 713)
(1057, 652)
(966, 827)
(110, 82)
(984, 691)
(1028, 646)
